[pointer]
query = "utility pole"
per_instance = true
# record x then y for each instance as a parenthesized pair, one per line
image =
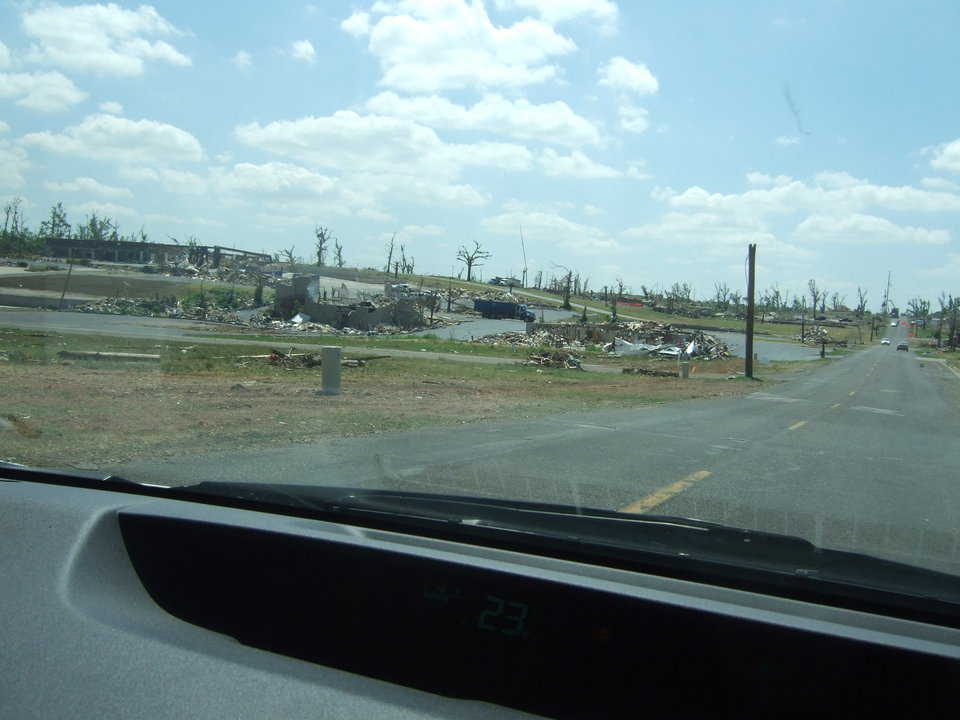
(524, 250)
(752, 253)
(803, 314)
(66, 282)
(886, 295)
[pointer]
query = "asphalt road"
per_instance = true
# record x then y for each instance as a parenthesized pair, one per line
(860, 455)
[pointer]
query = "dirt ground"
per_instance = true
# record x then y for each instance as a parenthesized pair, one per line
(88, 415)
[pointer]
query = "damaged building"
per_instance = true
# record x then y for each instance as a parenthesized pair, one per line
(301, 295)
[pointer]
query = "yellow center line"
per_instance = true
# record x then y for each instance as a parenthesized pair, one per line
(797, 425)
(835, 405)
(852, 393)
(665, 493)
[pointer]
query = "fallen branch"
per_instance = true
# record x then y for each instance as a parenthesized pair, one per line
(96, 355)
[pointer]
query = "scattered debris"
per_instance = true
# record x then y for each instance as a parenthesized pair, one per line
(819, 335)
(555, 359)
(653, 373)
(97, 355)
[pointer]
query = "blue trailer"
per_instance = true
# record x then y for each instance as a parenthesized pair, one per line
(496, 309)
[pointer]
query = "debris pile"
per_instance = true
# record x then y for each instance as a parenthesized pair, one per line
(819, 335)
(660, 340)
(540, 338)
(261, 322)
(164, 308)
(653, 373)
(555, 359)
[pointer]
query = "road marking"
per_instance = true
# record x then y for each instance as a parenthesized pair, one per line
(593, 427)
(835, 405)
(852, 393)
(797, 425)
(773, 398)
(877, 411)
(665, 493)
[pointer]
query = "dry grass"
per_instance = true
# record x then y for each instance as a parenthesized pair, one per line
(92, 413)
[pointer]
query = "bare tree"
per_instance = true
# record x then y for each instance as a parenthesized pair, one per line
(324, 235)
(823, 300)
(620, 288)
(472, 258)
(538, 280)
(290, 254)
(861, 301)
(919, 309)
(337, 253)
(836, 301)
(814, 294)
(721, 294)
(386, 268)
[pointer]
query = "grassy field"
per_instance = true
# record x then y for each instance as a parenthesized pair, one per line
(92, 413)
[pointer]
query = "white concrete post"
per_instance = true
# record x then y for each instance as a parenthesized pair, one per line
(331, 370)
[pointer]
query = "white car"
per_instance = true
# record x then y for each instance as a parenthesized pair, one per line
(885, 341)
(893, 324)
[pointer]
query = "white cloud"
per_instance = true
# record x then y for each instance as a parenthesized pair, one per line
(940, 184)
(4, 127)
(858, 229)
(180, 220)
(633, 119)
(357, 24)
(621, 74)
(43, 91)
(759, 179)
(424, 47)
(415, 231)
(790, 196)
(947, 157)
(13, 164)
(605, 13)
(787, 140)
(180, 182)
(636, 173)
(102, 208)
(398, 147)
(89, 186)
(272, 179)
(552, 122)
(713, 235)
(551, 230)
(4, 56)
(99, 39)
(592, 210)
(576, 164)
(303, 50)
(121, 141)
(242, 60)
(111, 108)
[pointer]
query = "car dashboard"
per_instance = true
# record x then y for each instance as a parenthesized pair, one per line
(124, 605)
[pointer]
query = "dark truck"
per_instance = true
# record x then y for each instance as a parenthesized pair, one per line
(497, 310)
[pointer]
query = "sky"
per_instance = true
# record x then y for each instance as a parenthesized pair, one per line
(649, 142)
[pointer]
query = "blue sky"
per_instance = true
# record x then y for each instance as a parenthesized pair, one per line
(644, 141)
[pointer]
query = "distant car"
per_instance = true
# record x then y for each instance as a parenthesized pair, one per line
(885, 341)
(893, 324)
(903, 346)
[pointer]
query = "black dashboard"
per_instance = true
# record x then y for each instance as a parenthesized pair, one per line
(118, 605)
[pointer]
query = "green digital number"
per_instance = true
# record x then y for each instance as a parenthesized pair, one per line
(512, 623)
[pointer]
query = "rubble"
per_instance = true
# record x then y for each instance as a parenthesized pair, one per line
(555, 359)
(540, 338)
(661, 340)
(164, 308)
(819, 335)
(653, 373)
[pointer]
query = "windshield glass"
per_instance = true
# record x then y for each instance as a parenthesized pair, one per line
(690, 260)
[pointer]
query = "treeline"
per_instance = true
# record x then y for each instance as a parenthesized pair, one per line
(17, 238)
